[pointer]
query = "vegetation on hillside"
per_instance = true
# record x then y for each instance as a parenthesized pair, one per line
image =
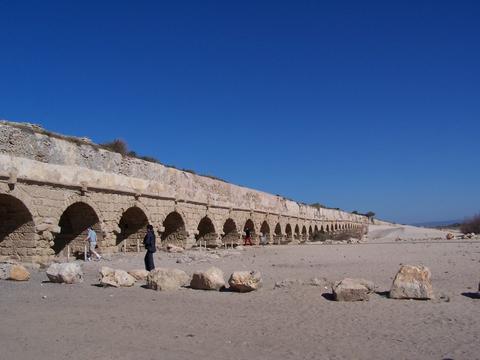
(471, 225)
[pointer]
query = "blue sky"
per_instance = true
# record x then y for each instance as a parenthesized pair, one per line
(362, 105)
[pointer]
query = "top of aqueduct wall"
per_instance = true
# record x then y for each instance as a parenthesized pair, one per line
(31, 153)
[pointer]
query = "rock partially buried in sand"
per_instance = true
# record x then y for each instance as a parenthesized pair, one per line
(139, 274)
(450, 236)
(412, 282)
(115, 277)
(352, 290)
(167, 279)
(68, 273)
(245, 281)
(212, 279)
(15, 272)
(174, 249)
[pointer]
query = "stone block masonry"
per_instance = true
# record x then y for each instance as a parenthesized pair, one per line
(53, 187)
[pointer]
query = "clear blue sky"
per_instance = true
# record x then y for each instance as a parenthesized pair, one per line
(362, 105)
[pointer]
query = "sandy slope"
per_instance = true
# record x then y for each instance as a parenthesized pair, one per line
(292, 322)
(395, 232)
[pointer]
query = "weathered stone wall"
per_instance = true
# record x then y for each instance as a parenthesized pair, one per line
(52, 188)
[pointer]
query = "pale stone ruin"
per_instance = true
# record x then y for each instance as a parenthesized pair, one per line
(53, 187)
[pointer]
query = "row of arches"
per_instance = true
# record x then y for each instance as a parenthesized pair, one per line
(18, 232)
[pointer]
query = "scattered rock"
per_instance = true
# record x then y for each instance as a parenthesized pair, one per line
(352, 290)
(139, 274)
(174, 249)
(286, 283)
(212, 279)
(245, 281)
(68, 273)
(412, 282)
(162, 279)
(115, 277)
(15, 272)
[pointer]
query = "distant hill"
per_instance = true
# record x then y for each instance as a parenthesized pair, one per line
(437, 224)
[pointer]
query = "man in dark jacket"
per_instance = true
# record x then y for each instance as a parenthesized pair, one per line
(149, 242)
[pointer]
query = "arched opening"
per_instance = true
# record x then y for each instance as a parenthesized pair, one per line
(327, 228)
(278, 237)
(174, 232)
(231, 235)
(288, 233)
(265, 231)
(17, 230)
(133, 229)
(250, 225)
(206, 232)
(310, 233)
(297, 233)
(336, 226)
(304, 234)
(74, 222)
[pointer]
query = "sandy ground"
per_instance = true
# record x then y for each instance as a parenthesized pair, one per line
(296, 321)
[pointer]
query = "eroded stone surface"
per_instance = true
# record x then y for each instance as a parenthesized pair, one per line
(68, 273)
(115, 277)
(212, 279)
(352, 290)
(15, 272)
(245, 281)
(162, 279)
(412, 282)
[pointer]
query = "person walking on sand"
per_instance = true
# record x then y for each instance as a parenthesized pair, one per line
(150, 246)
(248, 238)
(92, 239)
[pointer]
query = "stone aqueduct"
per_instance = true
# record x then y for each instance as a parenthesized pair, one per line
(53, 187)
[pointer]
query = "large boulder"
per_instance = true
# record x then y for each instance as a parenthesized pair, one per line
(245, 281)
(68, 273)
(16, 272)
(115, 277)
(162, 279)
(352, 290)
(412, 282)
(212, 279)
(139, 274)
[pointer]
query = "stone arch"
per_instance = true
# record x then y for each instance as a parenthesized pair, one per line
(249, 224)
(132, 224)
(17, 229)
(304, 233)
(134, 204)
(206, 232)
(230, 232)
(83, 199)
(297, 233)
(74, 222)
(278, 236)
(174, 230)
(310, 232)
(288, 232)
(327, 228)
(265, 230)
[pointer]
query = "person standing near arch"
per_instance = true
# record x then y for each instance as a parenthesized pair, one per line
(92, 239)
(150, 246)
(248, 238)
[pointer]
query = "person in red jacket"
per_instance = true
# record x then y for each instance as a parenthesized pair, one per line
(248, 238)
